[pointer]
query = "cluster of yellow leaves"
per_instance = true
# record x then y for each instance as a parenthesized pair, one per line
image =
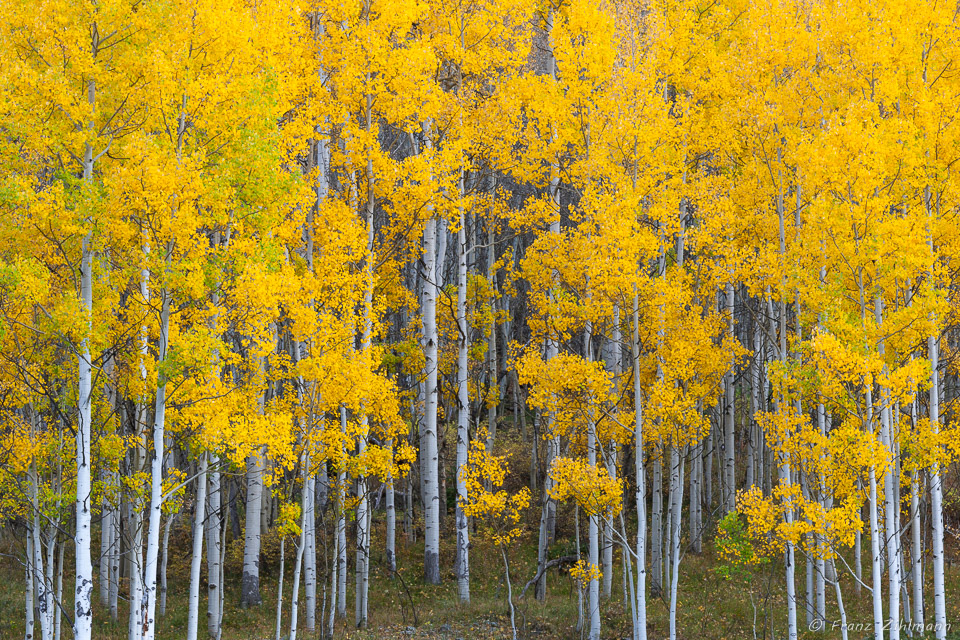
(288, 520)
(584, 573)
(769, 531)
(499, 510)
(572, 390)
(590, 486)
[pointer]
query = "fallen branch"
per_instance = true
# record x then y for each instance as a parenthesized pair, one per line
(543, 570)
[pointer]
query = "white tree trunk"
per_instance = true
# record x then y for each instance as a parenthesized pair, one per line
(83, 592)
(214, 524)
(916, 555)
(492, 342)
(156, 481)
(135, 519)
(342, 565)
(334, 579)
(305, 511)
(58, 615)
(390, 544)
(820, 612)
(164, 556)
(729, 410)
(640, 624)
(114, 575)
(593, 528)
(843, 612)
(49, 604)
(428, 439)
(42, 587)
(891, 503)
(936, 499)
(342, 533)
(463, 413)
(785, 477)
(607, 537)
(29, 619)
(936, 482)
(363, 546)
(106, 545)
(196, 556)
(506, 573)
(695, 514)
(310, 554)
(135, 553)
(790, 567)
(548, 505)
(279, 614)
(656, 525)
(612, 356)
(250, 582)
(676, 495)
(876, 566)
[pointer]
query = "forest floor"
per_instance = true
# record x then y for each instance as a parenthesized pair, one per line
(710, 606)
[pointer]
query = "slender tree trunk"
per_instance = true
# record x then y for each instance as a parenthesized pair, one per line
(696, 470)
(729, 428)
(916, 555)
(876, 567)
(58, 613)
(30, 622)
(820, 611)
(548, 519)
(463, 412)
(137, 596)
(808, 604)
(250, 581)
(49, 605)
(306, 512)
(114, 567)
(428, 439)
(640, 625)
(936, 499)
(334, 575)
(836, 585)
(279, 615)
(891, 503)
(83, 592)
(875, 560)
(156, 480)
(106, 545)
(492, 380)
(676, 495)
(310, 553)
(391, 513)
(789, 563)
(607, 531)
(612, 357)
(42, 587)
(363, 506)
(858, 557)
(785, 473)
(196, 557)
(342, 534)
(656, 526)
(708, 471)
(164, 556)
(363, 546)
(213, 526)
(593, 523)
(754, 473)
